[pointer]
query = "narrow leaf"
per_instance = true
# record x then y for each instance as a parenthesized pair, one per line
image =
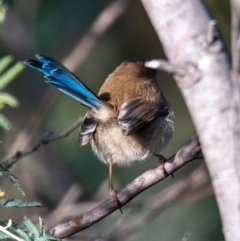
(4, 166)
(23, 235)
(4, 62)
(9, 100)
(18, 203)
(3, 10)
(3, 236)
(10, 74)
(42, 228)
(31, 227)
(13, 180)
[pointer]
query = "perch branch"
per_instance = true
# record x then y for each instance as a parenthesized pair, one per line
(191, 185)
(161, 202)
(189, 152)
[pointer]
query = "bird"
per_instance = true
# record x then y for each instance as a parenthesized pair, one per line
(128, 121)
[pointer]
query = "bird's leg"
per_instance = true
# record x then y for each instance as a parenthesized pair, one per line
(162, 161)
(113, 192)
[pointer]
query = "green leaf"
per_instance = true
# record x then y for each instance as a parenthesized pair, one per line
(22, 235)
(18, 203)
(31, 227)
(14, 225)
(5, 61)
(9, 100)
(27, 231)
(4, 236)
(3, 10)
(13, 180)
(41, 227)
(11, 229)
(4, 166)
(10, 74)
(5, 123)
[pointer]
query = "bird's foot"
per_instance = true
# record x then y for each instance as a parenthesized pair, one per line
(113, 194)
(162, 160)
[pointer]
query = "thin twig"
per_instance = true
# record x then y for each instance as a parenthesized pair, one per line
(45, 139)
(212, 31)
(164, 66)
(188, 153)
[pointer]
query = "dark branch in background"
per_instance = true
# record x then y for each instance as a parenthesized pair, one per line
(48, 137)
(103, 22)
(189, 152)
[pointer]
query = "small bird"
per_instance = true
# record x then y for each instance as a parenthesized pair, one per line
(127, 121)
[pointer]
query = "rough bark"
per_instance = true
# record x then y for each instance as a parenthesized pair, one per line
(192, 42)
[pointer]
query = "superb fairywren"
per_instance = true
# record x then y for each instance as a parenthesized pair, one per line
(128, 121)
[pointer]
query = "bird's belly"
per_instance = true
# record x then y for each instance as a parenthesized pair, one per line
(108, 141)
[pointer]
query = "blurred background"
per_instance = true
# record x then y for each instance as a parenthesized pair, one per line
(55, 28)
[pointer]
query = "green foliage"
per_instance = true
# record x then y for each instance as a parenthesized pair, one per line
(17, 203)
(25, 231)
(4, 172)
(3, 10)
(4, 166)
(11, 73)
(5, 78)
(11, 228)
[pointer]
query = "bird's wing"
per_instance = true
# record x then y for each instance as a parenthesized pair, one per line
(135, 114)
(87, 128)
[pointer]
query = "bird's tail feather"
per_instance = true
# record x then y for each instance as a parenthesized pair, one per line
(58, 75)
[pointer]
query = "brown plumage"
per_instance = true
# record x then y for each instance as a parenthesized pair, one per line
(137, 120)
(128, 121)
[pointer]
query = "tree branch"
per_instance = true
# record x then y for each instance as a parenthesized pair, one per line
(160, 203)
(212, 96)
(194, 184)
(165, 66)
(45, 139)
(103, 22)
(189, 152)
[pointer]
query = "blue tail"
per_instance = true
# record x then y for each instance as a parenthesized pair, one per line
(59, 76)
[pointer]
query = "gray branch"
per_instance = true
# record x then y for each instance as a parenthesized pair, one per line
(189, 152)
